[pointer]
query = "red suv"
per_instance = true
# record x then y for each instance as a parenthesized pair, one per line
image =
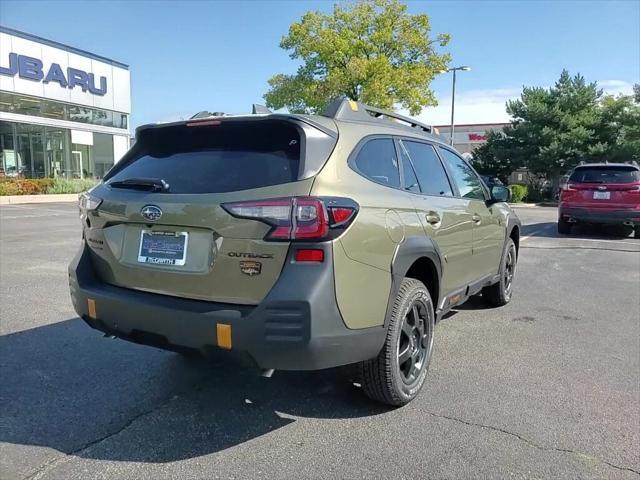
(605, 193)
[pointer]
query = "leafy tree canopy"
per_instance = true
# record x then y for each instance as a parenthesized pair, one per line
(371, 51)
(554, 129)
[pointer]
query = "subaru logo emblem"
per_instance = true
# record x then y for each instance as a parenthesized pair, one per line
(602, 187)
(151, 213)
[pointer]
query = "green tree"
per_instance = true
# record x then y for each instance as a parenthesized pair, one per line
(554, 129)
(372, 51)
(619, 129)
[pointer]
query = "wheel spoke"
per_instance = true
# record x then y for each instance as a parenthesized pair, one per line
(415, 315)
(407, 329)
(405, 354)
(413, 343)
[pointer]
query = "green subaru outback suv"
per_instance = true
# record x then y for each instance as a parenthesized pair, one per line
(304, 242)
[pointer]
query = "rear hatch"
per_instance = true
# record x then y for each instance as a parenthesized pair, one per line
(603, 186)
(161, 225)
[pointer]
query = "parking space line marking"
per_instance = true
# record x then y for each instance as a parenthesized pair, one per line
(23, 207)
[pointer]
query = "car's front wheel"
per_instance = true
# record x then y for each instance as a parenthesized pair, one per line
(397, 374)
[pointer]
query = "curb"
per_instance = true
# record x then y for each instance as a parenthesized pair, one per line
(17, 199)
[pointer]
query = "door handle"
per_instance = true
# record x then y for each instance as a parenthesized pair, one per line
(433, 218)
(477, 219)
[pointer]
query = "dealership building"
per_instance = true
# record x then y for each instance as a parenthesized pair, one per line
(64, 112)
(468, 137)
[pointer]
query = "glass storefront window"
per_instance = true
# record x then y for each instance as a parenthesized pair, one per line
(9, 159)
(120, 120)
(32, 151)
(26, 105)
(102, 117)
(102, 154)
(38, 107)
(56, 146)
(53, 110)
(79, 114)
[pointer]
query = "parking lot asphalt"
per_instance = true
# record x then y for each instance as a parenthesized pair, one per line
(546, 387)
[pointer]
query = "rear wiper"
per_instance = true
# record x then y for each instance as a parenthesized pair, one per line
(155, 184)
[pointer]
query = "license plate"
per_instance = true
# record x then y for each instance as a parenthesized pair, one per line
(163, 248)
(601, 195)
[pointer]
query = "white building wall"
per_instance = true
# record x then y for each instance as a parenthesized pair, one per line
(120, 146)
(117, 97)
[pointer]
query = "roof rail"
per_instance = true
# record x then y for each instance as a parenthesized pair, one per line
(345, 109)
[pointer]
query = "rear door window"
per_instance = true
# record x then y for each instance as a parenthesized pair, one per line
(610, 174)
(377, 161)
(428, 168)
(231, 156)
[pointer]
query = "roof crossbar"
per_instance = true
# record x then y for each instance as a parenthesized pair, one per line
(256, 108)
(345, 109)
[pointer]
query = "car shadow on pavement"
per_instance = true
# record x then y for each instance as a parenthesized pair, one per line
(66, 387)
(594, 232)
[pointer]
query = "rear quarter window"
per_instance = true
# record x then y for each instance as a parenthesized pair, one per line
(377, 161)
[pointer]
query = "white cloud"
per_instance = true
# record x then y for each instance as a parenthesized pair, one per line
(488, 106)
(616, 87)
(472, 106)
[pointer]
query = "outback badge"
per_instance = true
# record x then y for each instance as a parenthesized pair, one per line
(250, 267)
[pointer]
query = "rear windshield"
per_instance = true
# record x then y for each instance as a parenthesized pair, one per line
(611, 174)
(220, 158)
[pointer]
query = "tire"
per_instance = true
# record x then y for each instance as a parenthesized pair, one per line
(564, 228)
(499, 293)
(397, 374)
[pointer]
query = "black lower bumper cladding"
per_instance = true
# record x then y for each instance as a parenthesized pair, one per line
(298, 325)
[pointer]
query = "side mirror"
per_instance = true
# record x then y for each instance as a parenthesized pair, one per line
(500, 193)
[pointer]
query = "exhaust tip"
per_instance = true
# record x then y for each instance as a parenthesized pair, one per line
(267, 372)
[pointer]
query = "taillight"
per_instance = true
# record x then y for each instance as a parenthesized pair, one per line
(568, 188)
(88, 202)
(298, 218)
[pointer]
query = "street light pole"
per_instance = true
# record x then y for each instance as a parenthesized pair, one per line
(464, 68)
(453, 106)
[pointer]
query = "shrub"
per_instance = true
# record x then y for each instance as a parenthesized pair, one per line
(9, 188)
(518, 193)
(71, 186)
(21, 186)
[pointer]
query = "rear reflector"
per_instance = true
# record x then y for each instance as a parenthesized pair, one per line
(91, 307)
(223, 335)
(341, 214)
(310, 255)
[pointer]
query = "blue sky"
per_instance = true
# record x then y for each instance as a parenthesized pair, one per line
(218, 55)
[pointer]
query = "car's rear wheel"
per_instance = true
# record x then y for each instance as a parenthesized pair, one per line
(499, 293)
(636, 231)
(397, 374)
(564, 227)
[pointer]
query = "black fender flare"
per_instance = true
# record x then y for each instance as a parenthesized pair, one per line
(513, 222)
(406, 253)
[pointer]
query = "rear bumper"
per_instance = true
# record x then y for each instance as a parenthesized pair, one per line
(297, 326)
(587, 215)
